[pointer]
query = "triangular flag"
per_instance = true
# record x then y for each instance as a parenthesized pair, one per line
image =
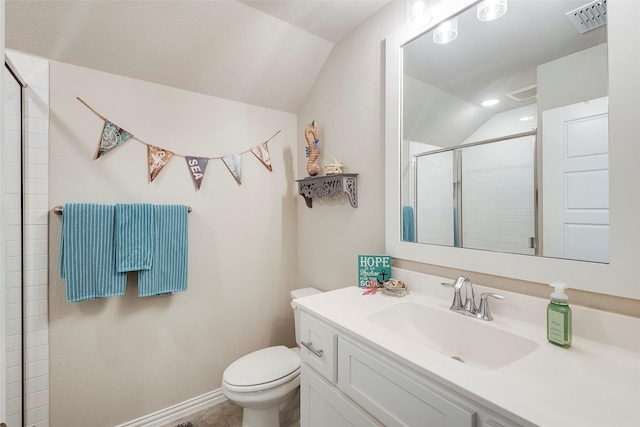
(157, 158)
(234, 164)
(262, 153)
(112, 136)
(197, 166)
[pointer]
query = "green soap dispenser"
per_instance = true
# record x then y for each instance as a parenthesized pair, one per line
(559, 317)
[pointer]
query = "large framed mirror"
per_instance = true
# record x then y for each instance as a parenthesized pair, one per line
(561, 131)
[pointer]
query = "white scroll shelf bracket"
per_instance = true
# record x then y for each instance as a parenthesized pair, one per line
(328, 185)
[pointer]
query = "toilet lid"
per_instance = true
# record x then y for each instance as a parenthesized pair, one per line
(262, 366)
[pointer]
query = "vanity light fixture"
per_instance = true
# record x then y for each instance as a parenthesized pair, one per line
(446, 32)
(489, 102)
(417, 14)
(490, 10)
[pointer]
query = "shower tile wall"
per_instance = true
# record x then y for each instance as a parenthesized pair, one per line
(36, 193)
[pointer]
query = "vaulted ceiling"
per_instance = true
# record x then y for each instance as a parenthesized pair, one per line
(266, 53)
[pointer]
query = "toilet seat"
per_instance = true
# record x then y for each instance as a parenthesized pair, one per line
(261, 370)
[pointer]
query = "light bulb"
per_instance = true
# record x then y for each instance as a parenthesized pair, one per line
(489, 102)
(489, 10)
(446, 32)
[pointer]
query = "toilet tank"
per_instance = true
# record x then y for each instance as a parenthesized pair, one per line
(300, 293)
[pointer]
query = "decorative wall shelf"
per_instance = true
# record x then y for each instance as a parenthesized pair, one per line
(325, 186)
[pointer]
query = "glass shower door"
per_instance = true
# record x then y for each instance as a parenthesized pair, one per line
(498, 196)
(435, 207)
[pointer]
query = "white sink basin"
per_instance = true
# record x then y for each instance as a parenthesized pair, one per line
(471, 341)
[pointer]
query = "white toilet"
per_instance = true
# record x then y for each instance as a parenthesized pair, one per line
(266, 382)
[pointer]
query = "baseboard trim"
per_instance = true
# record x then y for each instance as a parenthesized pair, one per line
(178, 411)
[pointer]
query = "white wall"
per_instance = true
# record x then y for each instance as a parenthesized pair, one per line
(574, 78)
(427, 114)
(347, 102)
(510, 122)
(116, 359)
(35, 71)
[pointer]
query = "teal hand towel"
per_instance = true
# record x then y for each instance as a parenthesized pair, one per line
(168, 272)
(408, 224)
(87, 252)
(134, 236)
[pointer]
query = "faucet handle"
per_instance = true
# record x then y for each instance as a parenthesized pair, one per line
(483, 311)
(457, 285)
(459, 282)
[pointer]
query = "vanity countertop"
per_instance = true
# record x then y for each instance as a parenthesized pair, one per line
(594, 383)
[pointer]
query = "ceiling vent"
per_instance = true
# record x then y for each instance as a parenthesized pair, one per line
(589, 16)
(524, 93)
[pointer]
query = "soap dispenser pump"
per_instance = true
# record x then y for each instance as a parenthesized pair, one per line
(559, 317)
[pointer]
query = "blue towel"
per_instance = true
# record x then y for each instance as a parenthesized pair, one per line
(134, 236)
(408, 224)
(169, 270)
(87, 252)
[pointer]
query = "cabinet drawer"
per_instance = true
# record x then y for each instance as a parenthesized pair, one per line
(392, 395)
(318, 346)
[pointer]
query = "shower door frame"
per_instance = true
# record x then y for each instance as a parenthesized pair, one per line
(3, 378)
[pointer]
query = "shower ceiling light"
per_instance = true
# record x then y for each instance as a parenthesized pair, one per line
(489, 10)
(446, 32)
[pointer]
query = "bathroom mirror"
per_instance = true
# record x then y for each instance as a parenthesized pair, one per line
(507, 190)
(614, 277)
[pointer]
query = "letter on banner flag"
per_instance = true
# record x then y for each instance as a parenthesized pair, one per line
(158, 158)
(262, 153)
(112, 136)
(234, 164)
(197, 166)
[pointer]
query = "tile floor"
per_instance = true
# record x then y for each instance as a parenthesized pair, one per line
(224, 414)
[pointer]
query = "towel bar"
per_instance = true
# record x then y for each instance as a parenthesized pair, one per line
(58, 210)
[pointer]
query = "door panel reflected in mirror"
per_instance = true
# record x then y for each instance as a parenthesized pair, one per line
(470, 177)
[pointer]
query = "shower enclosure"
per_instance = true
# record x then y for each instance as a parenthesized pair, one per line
(480, 195)
(13, 251)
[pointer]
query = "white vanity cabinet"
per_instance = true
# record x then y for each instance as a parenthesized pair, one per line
(351, 384)
(321, 403)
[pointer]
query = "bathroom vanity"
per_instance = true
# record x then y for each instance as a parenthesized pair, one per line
(372, 360)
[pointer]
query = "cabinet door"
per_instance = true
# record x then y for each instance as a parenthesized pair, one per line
(322, 405)
(394, 395)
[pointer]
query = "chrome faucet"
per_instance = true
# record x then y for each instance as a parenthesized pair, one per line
(469, 306)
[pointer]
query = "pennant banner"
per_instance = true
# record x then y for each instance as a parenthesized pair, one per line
(158, 158)
(262, 153)
(197, 166)
(112, 136)
(234, 164)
